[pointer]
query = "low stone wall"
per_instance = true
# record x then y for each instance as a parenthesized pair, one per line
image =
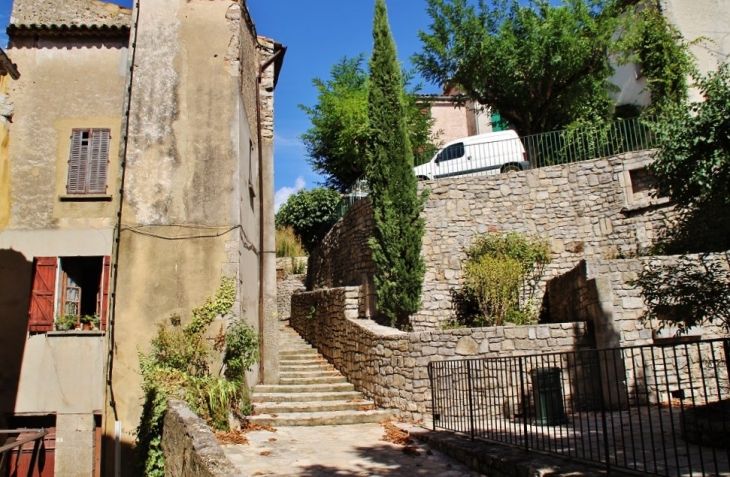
(285, 288)
(390, 366)
(189, 446)
(601, 293)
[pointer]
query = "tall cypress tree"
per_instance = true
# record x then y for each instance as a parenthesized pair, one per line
(398, 229)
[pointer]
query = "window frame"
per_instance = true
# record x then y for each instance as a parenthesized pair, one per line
(88, 162)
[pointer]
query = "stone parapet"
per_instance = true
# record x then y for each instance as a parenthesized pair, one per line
(189, 446)
(390, 366)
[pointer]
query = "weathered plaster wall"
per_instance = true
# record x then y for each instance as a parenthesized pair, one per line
(66, 84)
(702, 18)
(189, 216)
(75, 442)
(62, 373)
(391, 366)
(6, 114)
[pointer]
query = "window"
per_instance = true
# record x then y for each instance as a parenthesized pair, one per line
(88, 161)
(69, 287)
(454, 151)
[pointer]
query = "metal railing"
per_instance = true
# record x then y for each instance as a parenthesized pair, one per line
(14, 440)
(588, 142)
(541, 150)
(661, 410)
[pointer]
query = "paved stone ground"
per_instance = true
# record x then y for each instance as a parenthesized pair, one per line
(344, 451)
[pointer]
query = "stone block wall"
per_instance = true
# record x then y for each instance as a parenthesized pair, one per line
(344, 257)
(390, 366)
(587, 210)
(600, 292)
(189, 446)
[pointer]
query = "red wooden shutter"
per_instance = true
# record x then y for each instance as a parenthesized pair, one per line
(43, 294)
(98, 161)
(105, 290)
(77, 162)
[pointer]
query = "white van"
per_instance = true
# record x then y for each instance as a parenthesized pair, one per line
(484, 154)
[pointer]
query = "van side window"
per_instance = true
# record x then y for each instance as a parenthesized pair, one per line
(454, 151)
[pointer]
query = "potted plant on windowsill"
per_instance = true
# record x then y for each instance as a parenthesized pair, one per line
(95, 321)
(66, 322)
(86, 321)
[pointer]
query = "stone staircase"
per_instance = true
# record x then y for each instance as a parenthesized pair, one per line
(311, 391)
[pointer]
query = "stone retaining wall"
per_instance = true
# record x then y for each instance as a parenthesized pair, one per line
(344, 257)
(600, 292)
(189, 446)
(587, 210)
(390, 366)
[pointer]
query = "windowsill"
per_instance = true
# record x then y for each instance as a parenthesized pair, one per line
(75, 333)
(85, 198)
(645, 204)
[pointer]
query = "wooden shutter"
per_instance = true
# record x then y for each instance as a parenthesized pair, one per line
(98, 161)
(105, 290)
(77, 163)
(43, 294)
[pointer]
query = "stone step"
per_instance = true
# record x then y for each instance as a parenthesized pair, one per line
(303, 362)
(299, 355)
(338, 378)
(298, 373)
(325, 418)
(314, 406)
(261, 397)
(303, 388)
(306, 366)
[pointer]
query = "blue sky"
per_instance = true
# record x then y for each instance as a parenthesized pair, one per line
(317, 33)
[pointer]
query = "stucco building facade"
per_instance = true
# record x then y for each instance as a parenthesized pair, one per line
(137, 171)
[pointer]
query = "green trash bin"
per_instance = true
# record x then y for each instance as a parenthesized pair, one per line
(548, 393)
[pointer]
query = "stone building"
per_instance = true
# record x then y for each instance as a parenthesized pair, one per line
(138, 171)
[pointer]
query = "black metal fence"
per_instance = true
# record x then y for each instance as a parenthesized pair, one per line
(661, 410)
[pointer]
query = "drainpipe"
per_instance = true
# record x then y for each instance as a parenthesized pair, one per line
(110, 324)
(264, 262)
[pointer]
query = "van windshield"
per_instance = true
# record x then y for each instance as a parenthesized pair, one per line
(453, 151)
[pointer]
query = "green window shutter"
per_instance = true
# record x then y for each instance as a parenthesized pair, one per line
(497, 123)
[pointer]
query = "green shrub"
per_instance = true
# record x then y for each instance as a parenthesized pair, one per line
(179, 366)
(288, 244)
(500, 276)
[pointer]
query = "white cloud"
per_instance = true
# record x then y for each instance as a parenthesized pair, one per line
(287, 142)
(281, 195)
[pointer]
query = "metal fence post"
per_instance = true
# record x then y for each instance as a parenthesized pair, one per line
(471, 398)
(524, 405)
(602, 403)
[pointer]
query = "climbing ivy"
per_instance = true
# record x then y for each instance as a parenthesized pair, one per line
(179, 365)
(662, 52)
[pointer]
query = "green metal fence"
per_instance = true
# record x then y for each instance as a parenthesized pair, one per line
(561, 147)
(588, 142)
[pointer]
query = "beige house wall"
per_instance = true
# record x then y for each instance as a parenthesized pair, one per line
(708, 19)
(451, 122)
(191, 195)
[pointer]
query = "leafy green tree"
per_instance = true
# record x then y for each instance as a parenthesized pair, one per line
(311, 213)
(541, 67)
(650, 40)
(692, 165)
(398, 228)
(337, 140)
(693, 162)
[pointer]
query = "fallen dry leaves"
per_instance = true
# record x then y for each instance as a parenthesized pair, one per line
(231, 437)
(395, 434)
